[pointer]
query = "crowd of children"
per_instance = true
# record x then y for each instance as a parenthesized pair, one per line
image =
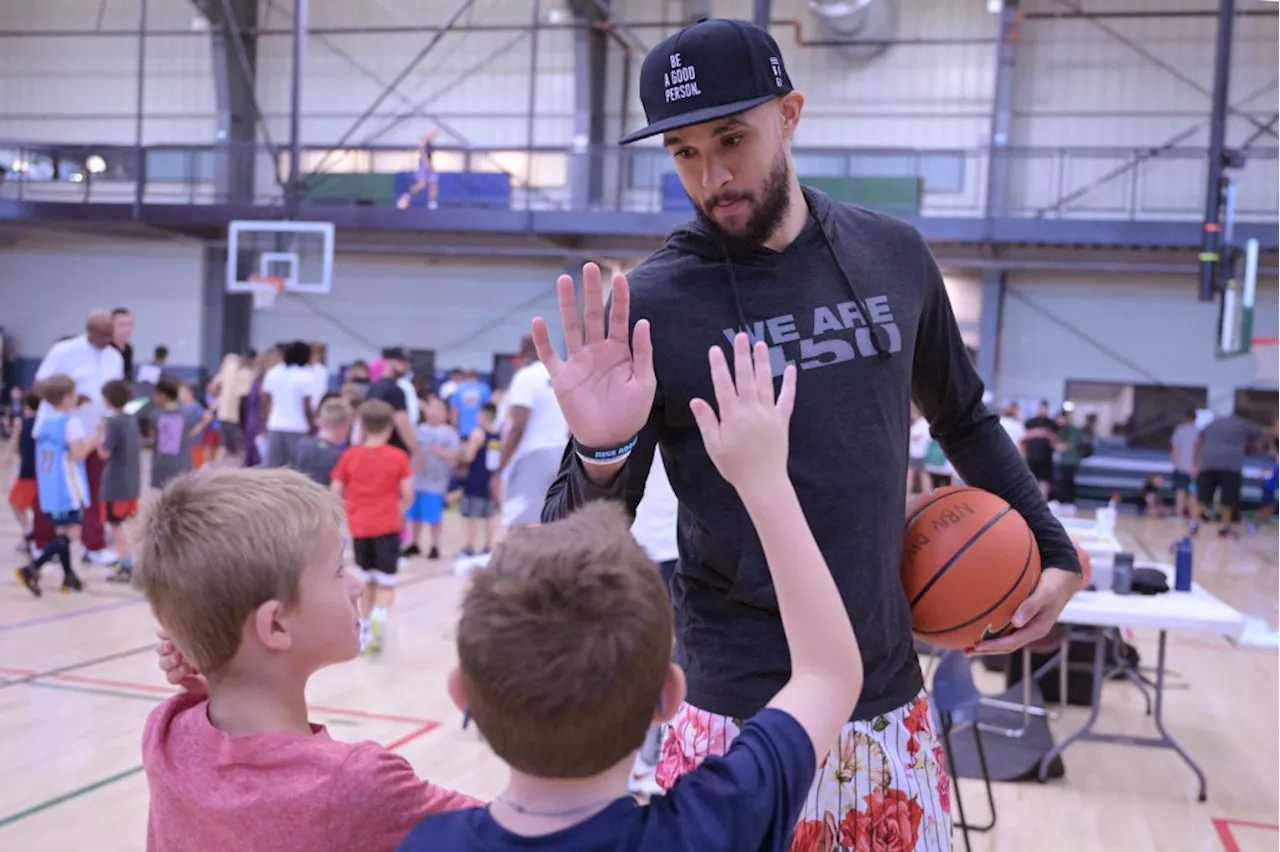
(448, 469)
(568, 620)
(51, 444)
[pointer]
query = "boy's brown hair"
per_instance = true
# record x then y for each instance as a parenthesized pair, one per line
(376, 416)
(335, 413)
(116, 393)
(55, 389)
(168, 387)
(564, 642)
(202, 581)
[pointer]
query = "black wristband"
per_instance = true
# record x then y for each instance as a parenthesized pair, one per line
(605, 455)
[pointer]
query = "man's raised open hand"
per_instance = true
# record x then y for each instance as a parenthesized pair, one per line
(604, 389)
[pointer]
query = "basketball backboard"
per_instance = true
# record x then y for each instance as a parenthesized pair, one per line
(298, 253)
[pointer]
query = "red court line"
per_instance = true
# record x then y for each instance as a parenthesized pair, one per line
(1228, 840)
(412, 735)
(170, 690)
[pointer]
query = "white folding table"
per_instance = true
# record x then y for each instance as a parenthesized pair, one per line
(1194, 611)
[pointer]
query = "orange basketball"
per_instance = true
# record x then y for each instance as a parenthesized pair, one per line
(968, 562)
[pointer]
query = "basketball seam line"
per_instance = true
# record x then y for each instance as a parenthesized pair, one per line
(1026, 566)
(947, 565)
(934, 499)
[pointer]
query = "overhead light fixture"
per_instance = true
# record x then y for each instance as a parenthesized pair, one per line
(94, 164)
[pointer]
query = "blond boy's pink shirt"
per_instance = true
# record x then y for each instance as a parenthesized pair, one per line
(274, 792)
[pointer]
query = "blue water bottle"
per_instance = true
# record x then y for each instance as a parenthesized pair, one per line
(1182, 565)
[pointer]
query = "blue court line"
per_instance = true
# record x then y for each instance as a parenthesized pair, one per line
(64, 616)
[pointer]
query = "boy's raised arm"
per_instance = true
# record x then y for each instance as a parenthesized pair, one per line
(748, 444)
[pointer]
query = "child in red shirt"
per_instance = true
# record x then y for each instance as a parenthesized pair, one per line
(234, 762)
(376, 481)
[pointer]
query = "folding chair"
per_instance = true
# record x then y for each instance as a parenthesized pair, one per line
(956, 701)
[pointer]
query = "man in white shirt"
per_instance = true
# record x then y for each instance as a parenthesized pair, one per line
(654, 528)
(91, 361)
(534, 440)
(1011, 421)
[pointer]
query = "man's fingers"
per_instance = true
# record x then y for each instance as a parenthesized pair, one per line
(546, 351)
(620, 309)
(642, 353)
(1036, 601)
(570, 320)
(1035, 629)
(592, 305)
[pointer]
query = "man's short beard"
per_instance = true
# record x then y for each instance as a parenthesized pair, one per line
(766, 215)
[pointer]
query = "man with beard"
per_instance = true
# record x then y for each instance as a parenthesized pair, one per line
(855, 300)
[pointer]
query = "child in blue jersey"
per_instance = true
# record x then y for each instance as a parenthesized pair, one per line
(564, 660)
(62, 444)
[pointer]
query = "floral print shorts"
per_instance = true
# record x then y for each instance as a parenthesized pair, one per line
(881, 789)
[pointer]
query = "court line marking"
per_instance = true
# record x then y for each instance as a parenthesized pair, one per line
(329, 719)
(423, 727)
(30, 674)
(68, 615)
(1223, 825)
(68, 796)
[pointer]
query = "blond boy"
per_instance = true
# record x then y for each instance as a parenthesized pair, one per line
(257, 613)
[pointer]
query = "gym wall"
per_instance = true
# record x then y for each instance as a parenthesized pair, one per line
(465, 310)
(50, 281)
(1144, 329)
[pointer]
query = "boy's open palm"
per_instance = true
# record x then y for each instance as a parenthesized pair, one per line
(748, 441)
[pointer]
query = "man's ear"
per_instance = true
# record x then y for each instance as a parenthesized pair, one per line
(673, 694)
(790, 107)
(269, 628)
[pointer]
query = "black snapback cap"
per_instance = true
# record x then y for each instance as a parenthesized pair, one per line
(714, 68)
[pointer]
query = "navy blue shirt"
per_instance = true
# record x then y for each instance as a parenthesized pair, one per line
(749, 799)
(27, 449)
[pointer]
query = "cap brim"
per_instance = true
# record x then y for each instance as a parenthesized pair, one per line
(698, 116)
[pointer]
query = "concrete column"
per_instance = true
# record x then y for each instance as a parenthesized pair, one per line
(989, 324)
(590, 148)
(227, 316)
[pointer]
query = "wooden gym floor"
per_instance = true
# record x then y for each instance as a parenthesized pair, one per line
(78, 676)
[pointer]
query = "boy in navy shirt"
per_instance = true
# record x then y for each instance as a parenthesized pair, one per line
(564, 659)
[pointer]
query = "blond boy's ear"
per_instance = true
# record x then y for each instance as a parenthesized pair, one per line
(267, 624)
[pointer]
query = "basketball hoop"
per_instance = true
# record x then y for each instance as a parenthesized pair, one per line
(1266, 355)
(265, 288)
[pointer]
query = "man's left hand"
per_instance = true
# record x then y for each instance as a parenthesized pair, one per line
(1038, 613)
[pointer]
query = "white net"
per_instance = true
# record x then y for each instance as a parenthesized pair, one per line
(265, 290)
